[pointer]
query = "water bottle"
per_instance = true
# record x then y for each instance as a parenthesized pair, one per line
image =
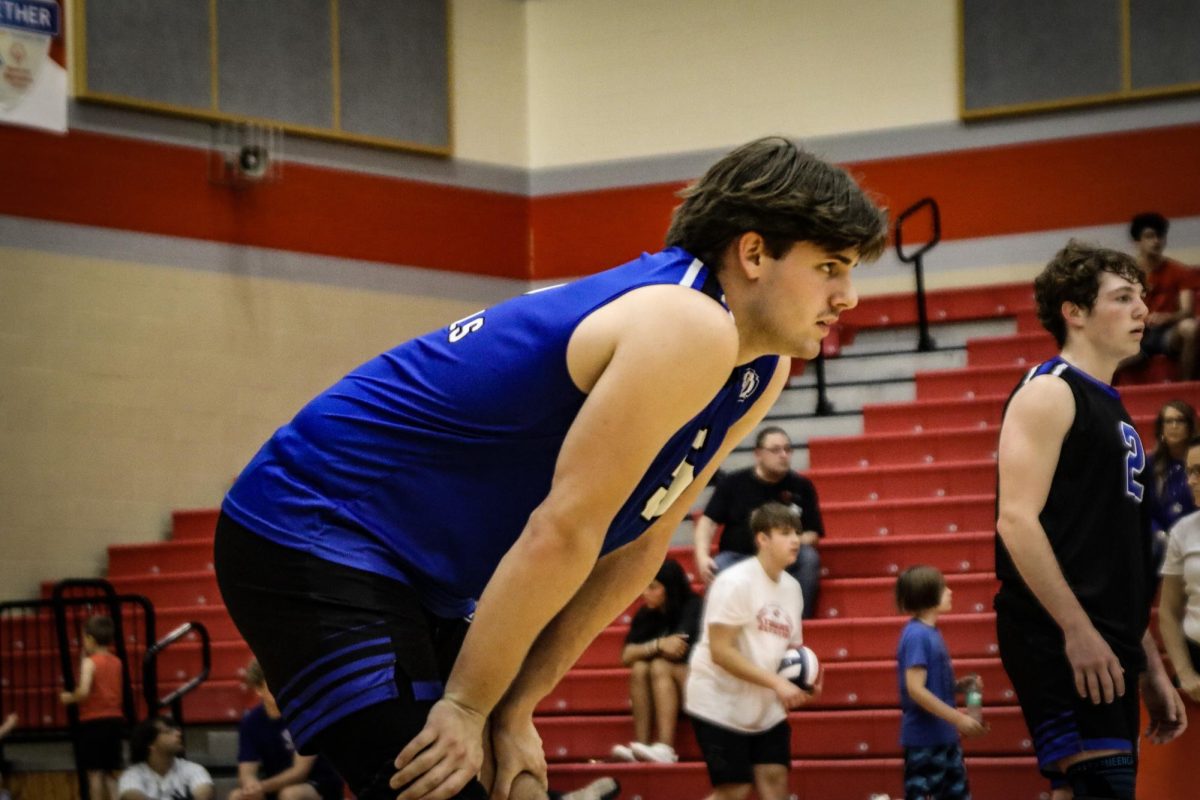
(974, 699)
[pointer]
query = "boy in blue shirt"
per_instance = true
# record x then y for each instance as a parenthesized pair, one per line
(268, 764)
(931, 725)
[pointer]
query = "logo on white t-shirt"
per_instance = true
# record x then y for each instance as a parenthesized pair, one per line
(774, 620)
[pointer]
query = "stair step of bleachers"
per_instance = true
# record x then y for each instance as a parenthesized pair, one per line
(908, 516)
(847, 685)
(934, 415)
(875, 556)
(817, 734)
(1027, 321)
(1021, 348)
(968, 382)
(179, 662)
(1143, 403)
(952, 553)
(945, 335)
(941, 305)
(991, 777)
(197, 523)
(971, 383)
(910, 481)
(882, 367)
(929, 447)
(876, 597)
(154, 558)
(967, 634)
(802, 400)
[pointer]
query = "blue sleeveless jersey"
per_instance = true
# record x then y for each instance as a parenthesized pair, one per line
(425, 463)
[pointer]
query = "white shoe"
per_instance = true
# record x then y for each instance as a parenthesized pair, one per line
(623, 752)
(605, 788)
(659, 752)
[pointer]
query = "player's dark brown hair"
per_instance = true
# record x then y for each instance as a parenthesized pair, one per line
(919, 588)
(785, 194)
(1073, 276)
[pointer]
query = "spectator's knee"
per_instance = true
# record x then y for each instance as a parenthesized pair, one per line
(640, 670)
(300, 791)
(661, 669)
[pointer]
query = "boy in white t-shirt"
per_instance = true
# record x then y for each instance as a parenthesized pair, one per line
(736, 698)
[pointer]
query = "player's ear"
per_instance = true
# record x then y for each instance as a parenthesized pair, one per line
(1073, 313)
(748, 251)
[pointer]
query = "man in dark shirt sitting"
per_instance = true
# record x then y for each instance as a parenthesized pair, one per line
(741, 492)
(268, 764)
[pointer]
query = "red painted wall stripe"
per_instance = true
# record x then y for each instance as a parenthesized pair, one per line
(110, 182)
(93, 179)
(1034, 186)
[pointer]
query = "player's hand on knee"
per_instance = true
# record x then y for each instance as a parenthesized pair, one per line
(1098, 674)
(517, 749)
(444, 756)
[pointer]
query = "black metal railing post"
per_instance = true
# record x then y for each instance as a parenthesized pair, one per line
(150, 670)
(824, 407)
(925, 342)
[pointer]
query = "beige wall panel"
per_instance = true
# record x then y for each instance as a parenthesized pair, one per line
(132, 389)
(489, 86)
(633, 78)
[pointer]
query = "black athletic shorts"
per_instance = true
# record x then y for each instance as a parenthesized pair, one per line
(99, 744)
(1060, 722)
(732, 755)
(352, 657)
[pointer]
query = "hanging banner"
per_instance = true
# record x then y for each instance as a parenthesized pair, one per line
(33, 74)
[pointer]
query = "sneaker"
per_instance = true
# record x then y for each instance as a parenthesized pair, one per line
(659, 752)
(605, 788)
(623, 752)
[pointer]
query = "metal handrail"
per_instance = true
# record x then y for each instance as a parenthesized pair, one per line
(924, 342)
(174, 699)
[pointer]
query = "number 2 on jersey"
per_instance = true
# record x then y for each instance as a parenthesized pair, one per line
(1135, 461)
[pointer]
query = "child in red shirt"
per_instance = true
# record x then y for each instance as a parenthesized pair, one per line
(101, 719)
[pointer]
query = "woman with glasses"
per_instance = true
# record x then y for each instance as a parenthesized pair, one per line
(1179, 605)
(1168, 494)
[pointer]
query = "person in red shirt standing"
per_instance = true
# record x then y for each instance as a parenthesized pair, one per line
(99, 696)
(1171, 324)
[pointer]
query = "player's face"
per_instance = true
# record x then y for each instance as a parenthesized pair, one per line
(781, 546)
(802, 295)
(655, 595)
(1193, 472)
(1118, 318)
(774, 457)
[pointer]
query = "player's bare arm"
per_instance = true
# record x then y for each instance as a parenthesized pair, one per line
(703, 536)
(613, 583)
(689, 343)
(1036, 422)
